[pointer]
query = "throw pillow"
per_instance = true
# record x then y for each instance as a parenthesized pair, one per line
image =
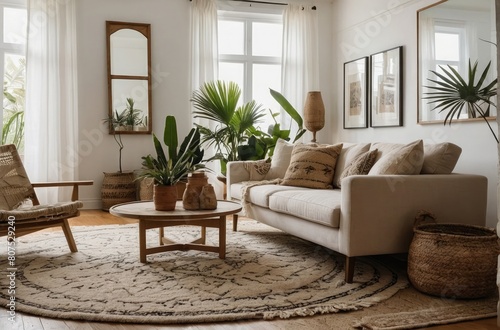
(350, 151)
(280, 160)
(359, 166)
(402, 159)
(257, 169)
(440, 158)
(312, 166)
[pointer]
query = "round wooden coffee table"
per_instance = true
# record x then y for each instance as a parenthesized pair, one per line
(150, 218)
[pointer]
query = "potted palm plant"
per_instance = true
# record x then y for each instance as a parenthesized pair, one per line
(235, 134)
(169, 168)
(452, 93)
(217, 101)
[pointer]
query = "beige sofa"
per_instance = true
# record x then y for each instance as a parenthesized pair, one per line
(374, 209)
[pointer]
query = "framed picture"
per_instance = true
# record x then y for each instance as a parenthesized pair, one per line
(356, 93)
(386, 97)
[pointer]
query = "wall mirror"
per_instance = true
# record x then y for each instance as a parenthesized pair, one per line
(129, 77)
(450, 33)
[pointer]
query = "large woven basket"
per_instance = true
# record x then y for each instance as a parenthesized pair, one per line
(453, 260)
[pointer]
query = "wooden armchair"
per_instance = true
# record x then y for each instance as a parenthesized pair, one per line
(17, 219)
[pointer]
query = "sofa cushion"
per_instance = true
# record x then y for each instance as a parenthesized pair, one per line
(280, 160)
(312, 166)
(359, 166)
(440, 158)
(316, 205)
(349, 152)
(398, 158)
(259, 194)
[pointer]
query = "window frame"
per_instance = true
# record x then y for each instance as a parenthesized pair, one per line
(247, 59)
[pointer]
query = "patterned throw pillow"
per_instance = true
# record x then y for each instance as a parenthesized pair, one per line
(257, 169)
(360, 166)
(312, 166)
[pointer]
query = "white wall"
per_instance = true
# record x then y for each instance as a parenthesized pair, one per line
(365, 27)
(169, 21)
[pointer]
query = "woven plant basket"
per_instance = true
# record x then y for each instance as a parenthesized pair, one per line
(453, 260)
(117, 188)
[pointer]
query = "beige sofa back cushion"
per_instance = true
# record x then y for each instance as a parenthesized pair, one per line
(440, 158)
(398, 158)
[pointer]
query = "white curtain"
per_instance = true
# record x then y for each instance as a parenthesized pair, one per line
(205, 63)
(51, 114)
(204, 51)
(300, 56)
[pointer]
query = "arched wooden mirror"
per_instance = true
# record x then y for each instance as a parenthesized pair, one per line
(129, 77)
(451, 32)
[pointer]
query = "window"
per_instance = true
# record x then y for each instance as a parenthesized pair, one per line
(12, 54)
(449, 48)
(250, 47)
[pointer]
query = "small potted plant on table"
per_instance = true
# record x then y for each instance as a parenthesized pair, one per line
(168, 169)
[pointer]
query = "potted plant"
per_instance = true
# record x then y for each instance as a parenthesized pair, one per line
(169, 168)
(452, 93)
(117, 187)
(218, 101)
(236, 135)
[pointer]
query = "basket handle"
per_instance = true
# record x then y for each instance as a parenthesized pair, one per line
(424, 216)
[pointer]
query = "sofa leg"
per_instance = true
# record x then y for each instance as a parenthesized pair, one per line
(235, 222)
(349, 268)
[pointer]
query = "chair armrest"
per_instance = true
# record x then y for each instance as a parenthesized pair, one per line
(74, 184)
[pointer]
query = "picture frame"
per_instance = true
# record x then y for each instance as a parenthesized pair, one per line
(386, 97)
(356, 93)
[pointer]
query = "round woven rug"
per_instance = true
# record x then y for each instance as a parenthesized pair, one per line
(266, 274)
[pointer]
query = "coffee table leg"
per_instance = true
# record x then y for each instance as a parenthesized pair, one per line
(142, 241)
(222, 237)
(203, 235)
(161, 234)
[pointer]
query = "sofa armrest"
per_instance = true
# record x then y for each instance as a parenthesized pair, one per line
(378, 212)
(236, 173)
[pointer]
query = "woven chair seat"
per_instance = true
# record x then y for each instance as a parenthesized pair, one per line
(42, 211)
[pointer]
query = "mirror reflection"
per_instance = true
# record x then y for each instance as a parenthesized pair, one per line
(452, 33)
(129, 77)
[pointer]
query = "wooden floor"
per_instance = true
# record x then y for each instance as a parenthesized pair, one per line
(96, 217)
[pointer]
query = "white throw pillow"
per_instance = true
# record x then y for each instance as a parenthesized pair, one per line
(398, 158)
(280, 160)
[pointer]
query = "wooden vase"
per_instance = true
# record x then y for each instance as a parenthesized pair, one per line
(164, 197)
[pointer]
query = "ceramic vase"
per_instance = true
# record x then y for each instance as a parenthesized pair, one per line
(208, 199)
(191, 196)
(164, 197)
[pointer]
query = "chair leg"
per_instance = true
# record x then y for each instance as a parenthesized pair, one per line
(349, 269)
(235, 222)
(69, 236)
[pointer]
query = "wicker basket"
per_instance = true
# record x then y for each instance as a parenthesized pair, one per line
(453, 260)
